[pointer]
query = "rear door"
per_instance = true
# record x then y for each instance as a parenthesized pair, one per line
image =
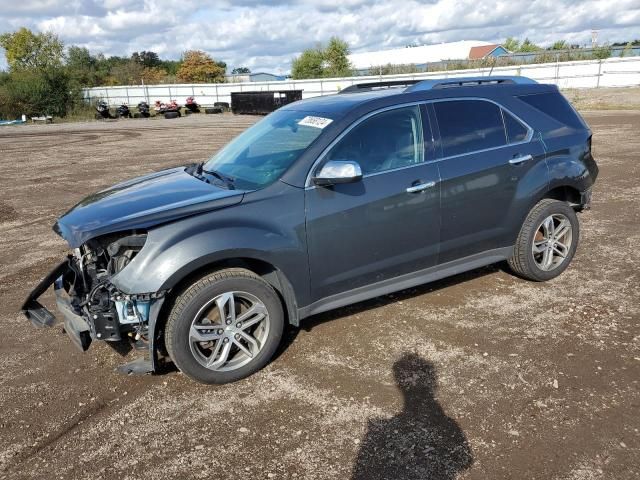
(486, 155)
(376, 229)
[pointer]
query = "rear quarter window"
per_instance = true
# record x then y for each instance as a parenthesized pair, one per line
(516, 131)
(554, 105)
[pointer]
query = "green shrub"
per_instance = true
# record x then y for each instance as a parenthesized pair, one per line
(34, 93)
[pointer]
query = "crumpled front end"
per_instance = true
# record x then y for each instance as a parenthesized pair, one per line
(91, 306)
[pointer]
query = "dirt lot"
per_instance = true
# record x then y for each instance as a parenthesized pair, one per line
(482, 376)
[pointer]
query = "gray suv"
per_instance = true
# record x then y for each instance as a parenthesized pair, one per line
(325, 202)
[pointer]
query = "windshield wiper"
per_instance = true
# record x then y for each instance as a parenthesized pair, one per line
(228, 181)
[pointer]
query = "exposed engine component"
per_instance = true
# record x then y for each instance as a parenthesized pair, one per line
(110, 314)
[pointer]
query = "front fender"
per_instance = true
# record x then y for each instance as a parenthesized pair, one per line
(270, 229)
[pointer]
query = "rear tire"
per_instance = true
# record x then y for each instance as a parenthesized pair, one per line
(171, 115)
(224, 327)
(547, 241)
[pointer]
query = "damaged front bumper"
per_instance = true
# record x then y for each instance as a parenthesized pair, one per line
(119, 318)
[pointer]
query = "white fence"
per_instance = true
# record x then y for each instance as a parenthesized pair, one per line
(611, 72)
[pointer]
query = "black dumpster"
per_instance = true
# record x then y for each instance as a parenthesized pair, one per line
(262, 103)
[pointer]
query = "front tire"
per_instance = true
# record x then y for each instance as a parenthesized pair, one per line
(547, 241)
(224, 327)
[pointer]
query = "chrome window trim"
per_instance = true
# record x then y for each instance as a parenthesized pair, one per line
(308, 185)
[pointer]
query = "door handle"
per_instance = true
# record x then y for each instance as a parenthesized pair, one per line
(520, 159)
(421, 187)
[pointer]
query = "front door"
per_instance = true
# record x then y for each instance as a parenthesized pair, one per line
(386, 224)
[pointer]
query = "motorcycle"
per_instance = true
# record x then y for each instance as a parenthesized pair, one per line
(143, 110)
(191, 106)
(123, 111)
(102, 110)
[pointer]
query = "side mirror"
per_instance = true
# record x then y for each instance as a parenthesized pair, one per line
(338, 171)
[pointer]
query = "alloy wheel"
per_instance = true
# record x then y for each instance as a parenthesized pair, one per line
(552, 242)
(229, 331)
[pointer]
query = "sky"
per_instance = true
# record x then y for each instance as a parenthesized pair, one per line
(265, 36)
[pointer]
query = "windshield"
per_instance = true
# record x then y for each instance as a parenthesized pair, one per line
(261, 154)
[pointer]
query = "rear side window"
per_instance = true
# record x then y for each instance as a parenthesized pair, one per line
(556, 106)
(516, 131)
(469, 125)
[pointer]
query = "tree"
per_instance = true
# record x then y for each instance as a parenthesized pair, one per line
(198, 67)
(27, 50)
(512, 44)
(560, 45)
(153, 75)
(240, 71)
(171, 66)
(309, 64)
(318, 62)
(82, 67)
(336, 59)
(146, 59)
(127, 73)
(528, 46)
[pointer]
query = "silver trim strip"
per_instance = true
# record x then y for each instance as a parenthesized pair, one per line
(308, 184)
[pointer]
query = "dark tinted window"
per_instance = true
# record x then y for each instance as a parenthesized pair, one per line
(556, 106)
(385, 141)
(469, 125)
(516, 131)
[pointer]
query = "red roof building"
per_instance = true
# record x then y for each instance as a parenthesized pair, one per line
(484, 51)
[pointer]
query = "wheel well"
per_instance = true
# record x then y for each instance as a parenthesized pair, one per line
(566, 194)
(265, 270)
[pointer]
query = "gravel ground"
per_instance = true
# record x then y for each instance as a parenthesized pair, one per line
(479, 376)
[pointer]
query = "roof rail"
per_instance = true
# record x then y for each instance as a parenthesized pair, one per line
(438, 83)
(365, 87)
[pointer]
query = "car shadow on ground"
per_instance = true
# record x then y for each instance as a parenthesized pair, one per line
(421, 441)
(308, 324)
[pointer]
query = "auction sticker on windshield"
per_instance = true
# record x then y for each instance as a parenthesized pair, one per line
(317, 122)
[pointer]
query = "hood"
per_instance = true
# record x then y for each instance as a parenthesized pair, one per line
(142, 203)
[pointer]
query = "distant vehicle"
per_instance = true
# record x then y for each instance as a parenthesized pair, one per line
(326, 202)
(143, 109)
(191, 106)
(123, 111)
(102, 110)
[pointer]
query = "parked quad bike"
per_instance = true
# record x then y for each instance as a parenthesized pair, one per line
(143, 110)
(102, 111)
(191, 106)
(170, 110)
(123, 111)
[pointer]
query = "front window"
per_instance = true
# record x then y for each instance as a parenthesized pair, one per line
(262, 153)
(387, 140)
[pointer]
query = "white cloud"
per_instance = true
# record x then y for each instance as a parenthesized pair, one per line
(267, 35)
